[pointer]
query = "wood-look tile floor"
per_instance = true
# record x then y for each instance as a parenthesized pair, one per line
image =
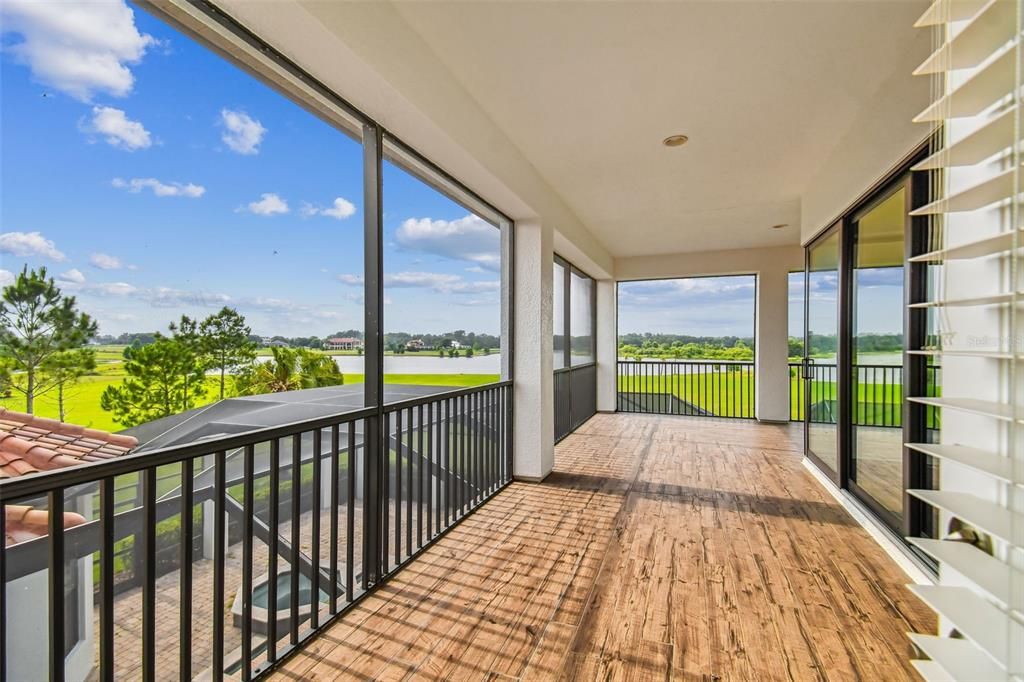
(661, 548)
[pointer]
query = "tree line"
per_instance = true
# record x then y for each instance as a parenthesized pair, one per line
(680, 350)
(479, 341)
(640, 339)
(669, 346)
(829, 344)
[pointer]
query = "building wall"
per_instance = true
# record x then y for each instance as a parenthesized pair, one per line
(877, 141)
(703, 263)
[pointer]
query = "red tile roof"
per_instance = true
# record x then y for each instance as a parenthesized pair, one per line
(27, 523)
(29, 444)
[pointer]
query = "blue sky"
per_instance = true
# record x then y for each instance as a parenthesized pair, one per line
(154, 179)
(697, 306)
(724, 306)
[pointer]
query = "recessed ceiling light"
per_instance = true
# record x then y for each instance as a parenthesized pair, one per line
(780, 226)
(675, 140)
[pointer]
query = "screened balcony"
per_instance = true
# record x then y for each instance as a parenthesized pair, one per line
(442, 384)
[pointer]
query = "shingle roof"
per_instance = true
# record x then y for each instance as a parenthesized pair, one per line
(29, 444)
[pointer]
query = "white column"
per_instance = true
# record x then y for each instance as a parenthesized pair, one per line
(533, 369)
(771, 355)
(607, 345)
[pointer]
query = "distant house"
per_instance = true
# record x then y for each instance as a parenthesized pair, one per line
(415, 344)
(342, 343)
(456, 345)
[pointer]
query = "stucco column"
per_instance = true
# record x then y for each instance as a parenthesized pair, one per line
(534, 448)
(771, 355)
(607, 345)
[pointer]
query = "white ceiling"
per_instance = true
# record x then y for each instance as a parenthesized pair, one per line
(587, 91)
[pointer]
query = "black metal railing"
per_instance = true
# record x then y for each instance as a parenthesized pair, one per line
(707, 388)
(879, 391)
(447, 456)
(298, 522)
(575, 398)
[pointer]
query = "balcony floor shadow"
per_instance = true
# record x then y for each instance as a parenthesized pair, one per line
(661, 548)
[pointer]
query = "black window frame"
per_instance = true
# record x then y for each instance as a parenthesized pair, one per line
(916, 520)
(575, 386)
(213, 28)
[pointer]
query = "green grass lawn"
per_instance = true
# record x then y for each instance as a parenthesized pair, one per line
(82, 401)
(731, 394)
(725, 394)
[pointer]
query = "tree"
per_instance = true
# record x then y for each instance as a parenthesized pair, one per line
(225, 340)
(164, 378)
(6, 365)
(186, 333)
(36, 322)
(64, 369)
(469, 352)
(289, 369)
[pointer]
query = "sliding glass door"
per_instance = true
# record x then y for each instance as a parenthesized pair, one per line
(861, 274)
(877, 238)
(821, 299)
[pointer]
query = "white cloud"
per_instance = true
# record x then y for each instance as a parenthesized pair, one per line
(340, 209)
(426, 280)
(692, 291)
(469, 239)
(117, 129)
(160, 189)
(435, 281)
(79, 48)
(269, 204)
(105, 261)
(74, 276)
(111, 289)
(166, 297)
(242, 133)
(29, 244)
(6, 278)
(474, 287)
(476, 302)
(354, 280)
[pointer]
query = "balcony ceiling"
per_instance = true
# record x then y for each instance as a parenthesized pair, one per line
(587, 91)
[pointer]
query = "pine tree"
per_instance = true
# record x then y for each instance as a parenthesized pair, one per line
(64, 369)
(164, 378)
(36, 322)
(225, 339)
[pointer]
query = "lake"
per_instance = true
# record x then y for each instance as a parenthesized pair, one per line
(421, 363)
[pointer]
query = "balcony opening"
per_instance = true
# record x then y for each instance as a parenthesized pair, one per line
(686, 346)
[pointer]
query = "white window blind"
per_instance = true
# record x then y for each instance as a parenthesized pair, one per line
(976, 248)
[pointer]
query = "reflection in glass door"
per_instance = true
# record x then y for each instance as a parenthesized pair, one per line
(876, 333)
(820, 351)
